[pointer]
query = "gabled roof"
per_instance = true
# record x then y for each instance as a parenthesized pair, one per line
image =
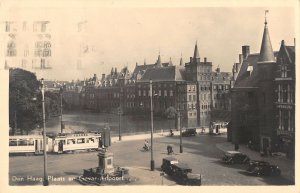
(139, 68)
(220, 77)
(169, 73)
(289, 51)
(244, 79)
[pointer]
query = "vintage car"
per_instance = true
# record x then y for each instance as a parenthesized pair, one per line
(180, 172)
(189, 132)
(235, 157)
(262, 168)
(167, 165)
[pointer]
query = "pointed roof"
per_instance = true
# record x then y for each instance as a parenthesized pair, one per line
(266, 50)
(196, 52)
(158, 62)
(181, 62)
(170, 62)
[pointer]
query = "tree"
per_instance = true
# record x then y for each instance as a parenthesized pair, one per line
(170, 112)
(25, 101)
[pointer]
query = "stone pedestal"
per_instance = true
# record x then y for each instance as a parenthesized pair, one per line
(106, 162)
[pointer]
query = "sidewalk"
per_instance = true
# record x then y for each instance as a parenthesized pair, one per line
(286, 166)
(157, 135)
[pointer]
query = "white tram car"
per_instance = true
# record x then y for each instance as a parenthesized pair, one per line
(57, 144)
(78, 141)
(27, 144)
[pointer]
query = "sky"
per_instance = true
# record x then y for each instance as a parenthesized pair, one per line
(122, 36)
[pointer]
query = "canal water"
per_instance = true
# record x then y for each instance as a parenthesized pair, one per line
(89, 121)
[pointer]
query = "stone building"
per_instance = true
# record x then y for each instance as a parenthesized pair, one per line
(257, 85)
(191, 88)
(285, 99)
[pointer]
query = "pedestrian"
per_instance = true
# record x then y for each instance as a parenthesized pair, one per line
(169, 149)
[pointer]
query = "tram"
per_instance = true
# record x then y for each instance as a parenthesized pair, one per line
(77, 141)
(60, 143)
(27, 144)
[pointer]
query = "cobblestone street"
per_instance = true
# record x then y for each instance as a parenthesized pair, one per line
(202, 153)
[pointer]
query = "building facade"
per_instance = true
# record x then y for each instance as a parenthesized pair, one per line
(285, 99)
(191, 90)
(258, 111)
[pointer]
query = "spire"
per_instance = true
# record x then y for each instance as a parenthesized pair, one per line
(181, 62)
(158, 63)
(145, 61)
(266, 51)
(170, 62)
(196, 52)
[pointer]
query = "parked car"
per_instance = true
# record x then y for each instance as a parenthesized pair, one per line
(167, 165)
(189, 132)
(262, 168)
(180, 172)
(235, 157)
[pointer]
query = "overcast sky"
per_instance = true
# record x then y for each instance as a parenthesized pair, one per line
(122, 36)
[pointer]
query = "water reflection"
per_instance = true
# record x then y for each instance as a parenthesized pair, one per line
(88, 121)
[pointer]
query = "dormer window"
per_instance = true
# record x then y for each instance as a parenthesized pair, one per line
(249, 69)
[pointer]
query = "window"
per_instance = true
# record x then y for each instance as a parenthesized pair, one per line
(159, 93)
(190, 98)
(165, 93)
(140, 93)
(144, 93)
(13, 142)
(194, 97)
(80, 140)
(22, 142)
(171, 92)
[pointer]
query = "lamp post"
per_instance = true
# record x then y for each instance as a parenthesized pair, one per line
(180, 130)
(151, 107)
(45, 182)
(119, 112)
(61, 110)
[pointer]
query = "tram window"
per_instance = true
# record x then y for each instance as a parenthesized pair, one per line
(30, 142)
(13, 143)
(80, 140)
(91, 139)
(71, 141)
(23, 142)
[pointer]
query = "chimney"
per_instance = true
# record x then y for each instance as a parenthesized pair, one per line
(191, 59)
(295, 42)
(240, 58)
(205, 59)
(245, 51)
(103, 76)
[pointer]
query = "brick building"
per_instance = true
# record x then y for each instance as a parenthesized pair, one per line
(285, 99)
(193, 89)
(257, 85)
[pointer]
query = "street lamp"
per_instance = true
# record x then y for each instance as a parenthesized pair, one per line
(61, 110)
(45, 182)
(119, 112)
(151, 107)
(180, 129)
